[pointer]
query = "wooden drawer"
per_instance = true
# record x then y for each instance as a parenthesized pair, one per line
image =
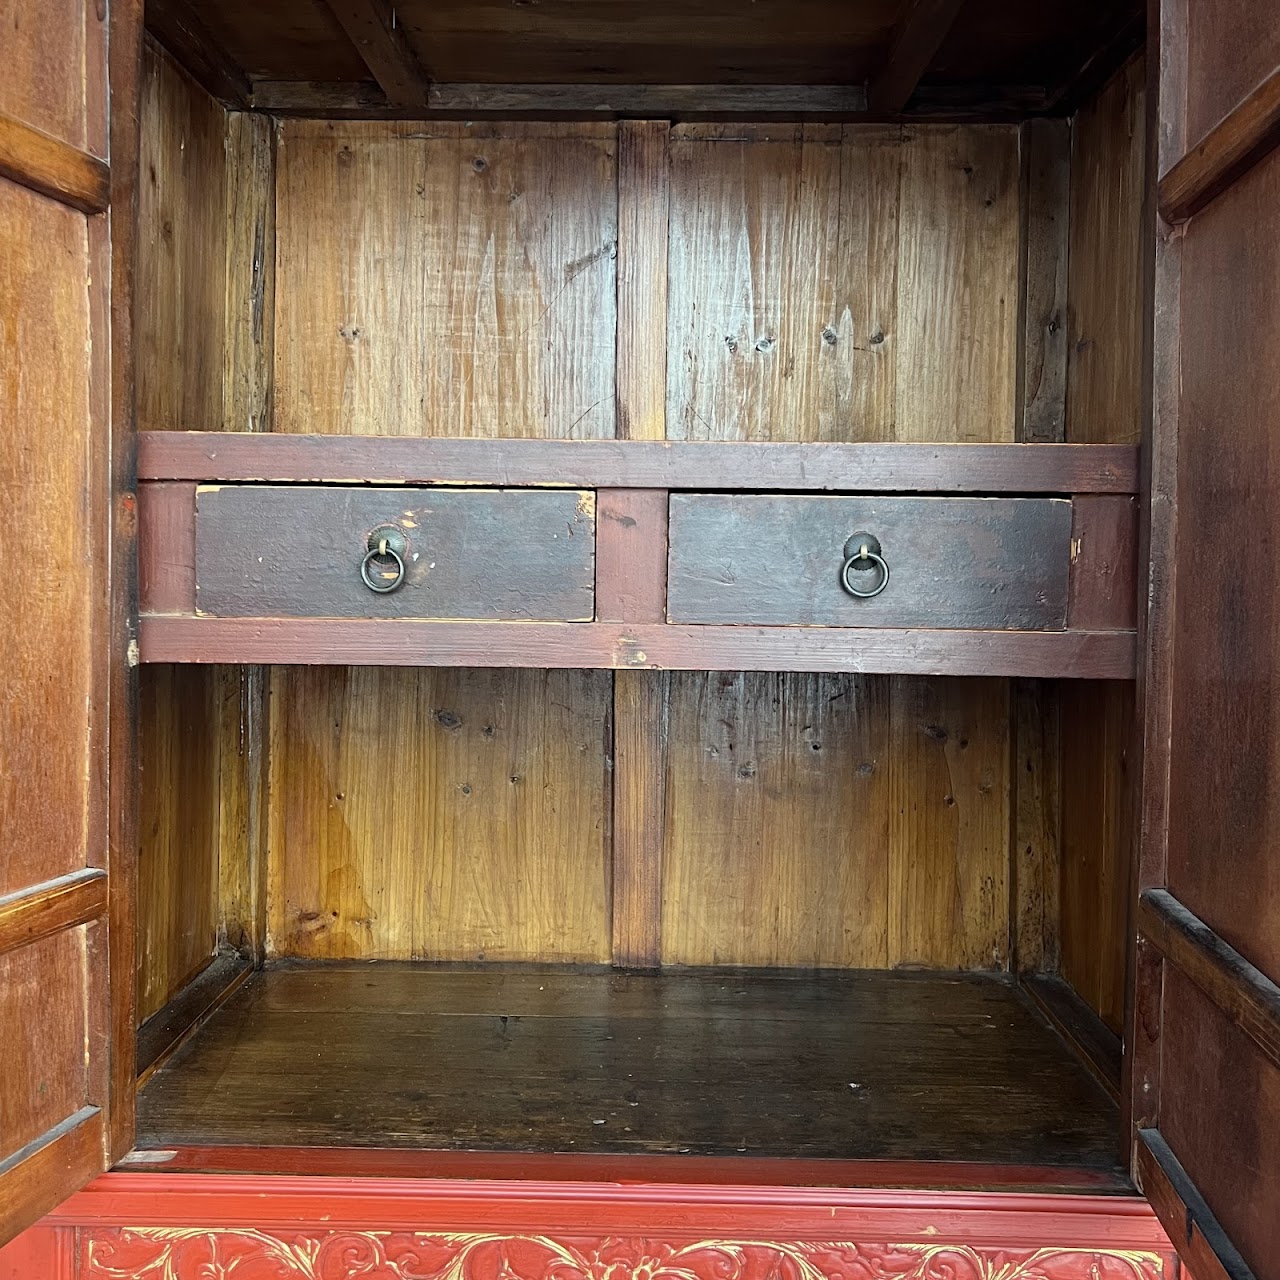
(297, 551)
(983, 563)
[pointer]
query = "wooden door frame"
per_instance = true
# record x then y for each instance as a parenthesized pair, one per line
(1184, 177)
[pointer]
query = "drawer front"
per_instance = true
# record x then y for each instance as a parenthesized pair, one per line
(982, 563)
(319, 552)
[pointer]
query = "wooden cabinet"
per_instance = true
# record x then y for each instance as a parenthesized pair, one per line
(698, 694)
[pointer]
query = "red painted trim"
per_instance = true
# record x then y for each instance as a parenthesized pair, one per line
(721, 1171)
(998, 1219)
(41, 1251)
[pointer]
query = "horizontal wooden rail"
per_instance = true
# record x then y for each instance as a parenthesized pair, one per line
(1093, 655)
(1197, 1235)
(1239, 989)
(1229, 150)
(604, 101)
(638, 464)
(39, 1177)
(51, 907)
(52, 167)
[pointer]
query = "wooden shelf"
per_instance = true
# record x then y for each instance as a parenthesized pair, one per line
(628, 485)
(1090, 655)
(237, 457)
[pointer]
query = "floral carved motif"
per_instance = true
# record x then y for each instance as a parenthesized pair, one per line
(191, 1254)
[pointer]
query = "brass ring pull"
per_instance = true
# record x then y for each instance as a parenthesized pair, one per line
(384, 544)
(863, 554)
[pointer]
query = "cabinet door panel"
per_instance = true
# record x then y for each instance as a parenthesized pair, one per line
(1205, 1031)
(57, 863)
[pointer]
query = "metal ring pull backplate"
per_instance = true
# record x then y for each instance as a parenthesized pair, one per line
(863, 554)
(383, 568)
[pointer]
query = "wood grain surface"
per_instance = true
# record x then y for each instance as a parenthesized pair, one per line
(439, 814)
(893, 1066)
(994, 563)
(516, 338)
(264, 551)
(833, 283)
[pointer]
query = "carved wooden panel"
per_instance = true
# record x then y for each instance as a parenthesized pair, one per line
(194, 1254)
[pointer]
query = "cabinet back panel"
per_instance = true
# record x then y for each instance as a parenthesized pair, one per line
(439, 814)
(834, 282)
(446, 279)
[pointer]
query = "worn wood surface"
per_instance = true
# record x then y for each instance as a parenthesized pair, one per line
(391, 642)
(684, 1063)
(1219, 1113)
(641, 743)
(475, 553)
(56, 467)
(1193, 1229)
(1042, 365)
(1098, 1046)
(1097, 729)
(1241, 991)
(53, 167)
(644, 197)
(777, 820)
(167, 547)
(161, 1034)
(371, 25)
(954, 562)
(997, 57)
(1223, 773)
(1247, 133)
(1106, 278)
(888, 467)
(920, 33)
(516, 339)
(181, 270)
(52, 907)
(1035, 831)
(55, 57)
(631, 555)
(124, 73)
(179, 827)
(449, 814)
(1104, 563)
(842, 284)
(1229, 51)
(180, 27)
(949, 823)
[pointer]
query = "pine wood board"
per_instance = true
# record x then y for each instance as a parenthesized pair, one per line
(439, 814)
(446, 279)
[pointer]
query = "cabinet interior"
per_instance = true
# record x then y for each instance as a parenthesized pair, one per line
(381, 906)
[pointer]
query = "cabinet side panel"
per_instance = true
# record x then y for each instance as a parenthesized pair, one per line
(1104, 405)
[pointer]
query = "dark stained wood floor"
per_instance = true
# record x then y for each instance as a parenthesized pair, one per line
(844, 1066)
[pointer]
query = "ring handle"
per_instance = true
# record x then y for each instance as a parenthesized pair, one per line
(384, 544)
(863, 552)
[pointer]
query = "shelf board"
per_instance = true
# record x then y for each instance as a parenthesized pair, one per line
(1093, 655)
(240, 457)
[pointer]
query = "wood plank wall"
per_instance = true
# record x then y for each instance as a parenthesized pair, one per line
(204, 267)
(443, 280)
(824, 283)
(1104, 404)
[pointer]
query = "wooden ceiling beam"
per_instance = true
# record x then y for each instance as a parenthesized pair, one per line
(372, 27)
(919, 36)
(178, 28)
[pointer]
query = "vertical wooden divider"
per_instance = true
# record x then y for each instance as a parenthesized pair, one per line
(1041, 407)
(640, 698)
(248, 357)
